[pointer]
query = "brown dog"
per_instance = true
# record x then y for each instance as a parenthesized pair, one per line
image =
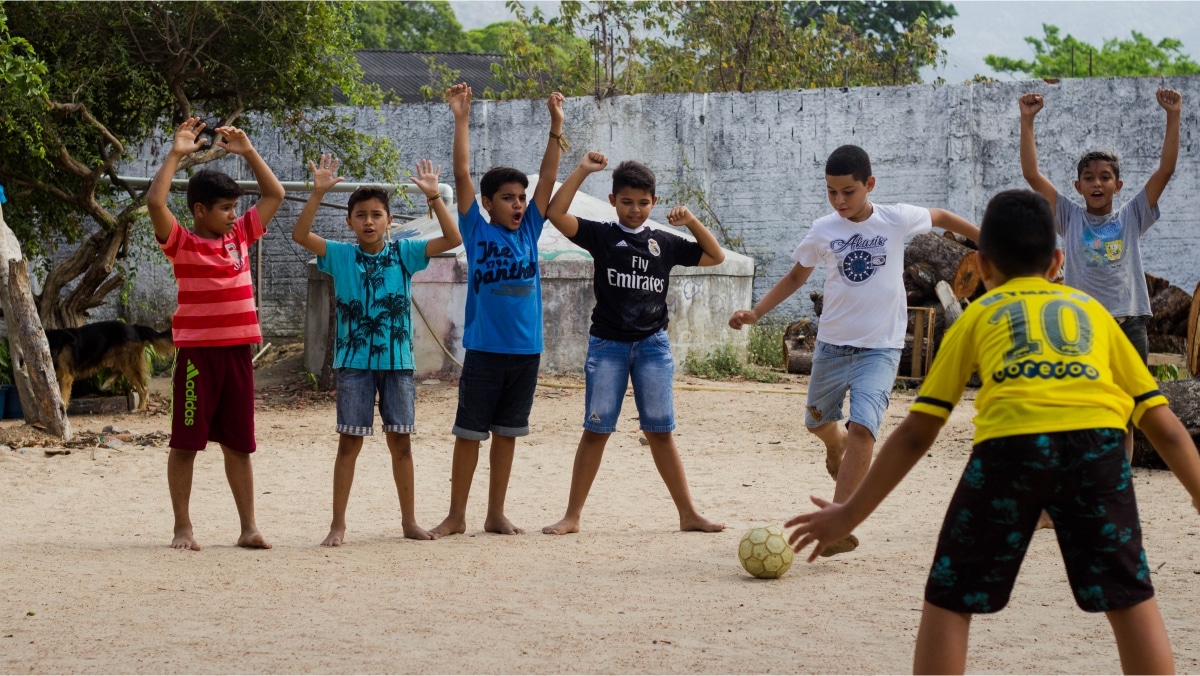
(117, 346)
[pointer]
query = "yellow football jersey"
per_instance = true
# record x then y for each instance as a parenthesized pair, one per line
(1051, 359)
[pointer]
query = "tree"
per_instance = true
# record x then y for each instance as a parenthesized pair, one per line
(94, 79)
(490, 38)
(887, 20)
(426, 26)
(1061, 57)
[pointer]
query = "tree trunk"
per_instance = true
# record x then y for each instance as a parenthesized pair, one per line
(1193, 333)
(1184, 396)
(92, 264)
(798, 340)
(968, 278)
(951, 308)
(1156, 285)
(920, 282)
(1170, 308)
(942, 255)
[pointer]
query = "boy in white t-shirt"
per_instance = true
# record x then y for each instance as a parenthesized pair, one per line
(861, 331)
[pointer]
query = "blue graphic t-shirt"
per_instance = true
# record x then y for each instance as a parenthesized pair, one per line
(504, 289)
(374, 321)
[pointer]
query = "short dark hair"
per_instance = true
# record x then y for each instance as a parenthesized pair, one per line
(1017, 233)
(632, 174)
(1101, 156)
(207, 186)
(369, 192)
(498, 176)
(849, 161)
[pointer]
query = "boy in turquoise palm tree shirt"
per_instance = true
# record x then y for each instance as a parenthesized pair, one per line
(372, 281)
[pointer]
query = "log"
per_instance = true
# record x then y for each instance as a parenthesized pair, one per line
(1170, 308)
(1155, 285)
(1193, 332)
(955, 237)
(942, 254)
(818, 301)
(968, 278)
(799, 338)
(920, 280)
(951, 308)
(1184, 396)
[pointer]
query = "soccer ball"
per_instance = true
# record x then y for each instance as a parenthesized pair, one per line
(764, 552)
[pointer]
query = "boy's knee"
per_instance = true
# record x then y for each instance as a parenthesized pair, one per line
(349, 444)
(861, 432)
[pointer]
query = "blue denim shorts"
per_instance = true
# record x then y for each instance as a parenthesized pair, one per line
(610, 364)
(356, 390)
(866, 373)
(495, 394)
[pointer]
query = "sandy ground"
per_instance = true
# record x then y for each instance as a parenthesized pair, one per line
(89, 584)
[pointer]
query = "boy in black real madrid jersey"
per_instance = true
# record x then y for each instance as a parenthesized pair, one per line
(1060, 380)
(629, 327)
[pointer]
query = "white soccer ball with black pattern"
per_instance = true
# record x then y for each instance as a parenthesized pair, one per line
(764, 552)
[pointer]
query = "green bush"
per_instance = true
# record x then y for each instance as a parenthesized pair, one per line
(6, 371)
(766, 344)
(724, 363)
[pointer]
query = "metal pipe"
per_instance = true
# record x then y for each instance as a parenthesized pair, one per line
(180, 184)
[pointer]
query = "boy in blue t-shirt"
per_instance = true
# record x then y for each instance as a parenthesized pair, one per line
(372, 281)
(503, 332)
(628, 337)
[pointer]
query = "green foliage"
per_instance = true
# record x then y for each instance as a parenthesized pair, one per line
(441, 78)
(418, 25)
(888, 20)
(724, 363)
(6, 369)
(1170, 372)
(1056, 56)
(490, 39)
(667, 46)
(766, 343)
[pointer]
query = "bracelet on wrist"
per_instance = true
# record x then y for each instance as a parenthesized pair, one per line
(562, 141)
(436, 196)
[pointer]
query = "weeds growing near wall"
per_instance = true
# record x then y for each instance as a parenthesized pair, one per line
(724, 363)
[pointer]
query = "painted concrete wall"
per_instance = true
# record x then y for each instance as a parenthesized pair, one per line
(758, 159)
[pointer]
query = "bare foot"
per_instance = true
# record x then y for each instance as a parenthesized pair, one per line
(502, 526)
(846, 544)
(183, 540)
(567, 525)
(699, 523)
(414, 532)
(449, 526)
(1044, 521)
(833, 456)
(252, 539)
(335, 538)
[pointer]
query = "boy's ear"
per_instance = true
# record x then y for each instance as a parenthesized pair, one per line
(653, 201)
(1120, 184)
(1077, 188)
(1056, 264)
(349, 225)
(986, 269)
(485, 202)
(199, 211)
(870, 183)
(612, 199)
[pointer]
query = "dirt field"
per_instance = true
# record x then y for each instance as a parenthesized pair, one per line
(89, 584)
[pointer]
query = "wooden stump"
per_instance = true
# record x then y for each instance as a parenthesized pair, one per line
(799, 338)
(1184, 396)
(942, 255)
(1170, 308)
(968, 278)
(1193, 332)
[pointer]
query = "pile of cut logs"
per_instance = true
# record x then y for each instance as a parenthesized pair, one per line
(941, 275)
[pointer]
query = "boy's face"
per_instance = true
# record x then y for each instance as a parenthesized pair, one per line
(848, 196)
(633, 206)
(369, 220)
(1097, 184)
(215, 221)
(507, 206)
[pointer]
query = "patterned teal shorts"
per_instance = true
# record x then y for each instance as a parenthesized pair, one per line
(1084, 481)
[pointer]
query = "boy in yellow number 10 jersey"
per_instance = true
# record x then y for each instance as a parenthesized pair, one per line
(1060, 381)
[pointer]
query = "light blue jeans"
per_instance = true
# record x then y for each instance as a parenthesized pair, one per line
(610, 364)
(866, 373)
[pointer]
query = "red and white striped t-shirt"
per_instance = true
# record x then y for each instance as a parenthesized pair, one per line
(216, 293)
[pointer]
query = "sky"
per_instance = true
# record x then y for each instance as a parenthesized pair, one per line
(985, 27)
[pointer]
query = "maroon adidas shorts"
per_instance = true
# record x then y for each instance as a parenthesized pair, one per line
(213, 398)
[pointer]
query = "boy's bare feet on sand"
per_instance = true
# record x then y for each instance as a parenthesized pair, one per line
(501, 525)
(183, 540)
(846, 544)
(414, 532)
(335, 538)
(701, 524)
(566, 525)
(252, 539)
(450, 526)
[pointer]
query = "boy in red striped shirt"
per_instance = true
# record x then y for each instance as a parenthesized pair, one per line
(213, 383)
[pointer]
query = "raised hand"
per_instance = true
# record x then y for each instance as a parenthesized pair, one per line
(323, 173)
(235, 140)
(593, 162)
(1170, 100)
(459, 98)
(742, 318)
(555, 104)
(427, 178)
(187, 137)
(1031, 104)
(680, 216)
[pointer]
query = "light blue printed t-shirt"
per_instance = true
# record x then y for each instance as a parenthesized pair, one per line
(1104, 254)
(504, 289)
(374, 321)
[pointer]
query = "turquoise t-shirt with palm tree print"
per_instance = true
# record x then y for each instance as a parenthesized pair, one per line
(373, 291)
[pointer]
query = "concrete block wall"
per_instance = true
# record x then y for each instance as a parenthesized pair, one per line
(758, 159)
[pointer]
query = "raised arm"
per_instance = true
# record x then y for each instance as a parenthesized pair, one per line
(786, 286)
(1030, 105)
(269, 189)
(187, 141)
(556, 212)
(323, 179)
(459, 97)
(900, 453)
(948, 220)
(1172, 102)
(713, 254)
(427, 180)
(1172, 441)
(548, 172)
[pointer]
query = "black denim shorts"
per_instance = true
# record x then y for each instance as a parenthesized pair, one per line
(495, 394)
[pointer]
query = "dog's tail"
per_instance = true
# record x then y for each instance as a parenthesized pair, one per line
(161, 341)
